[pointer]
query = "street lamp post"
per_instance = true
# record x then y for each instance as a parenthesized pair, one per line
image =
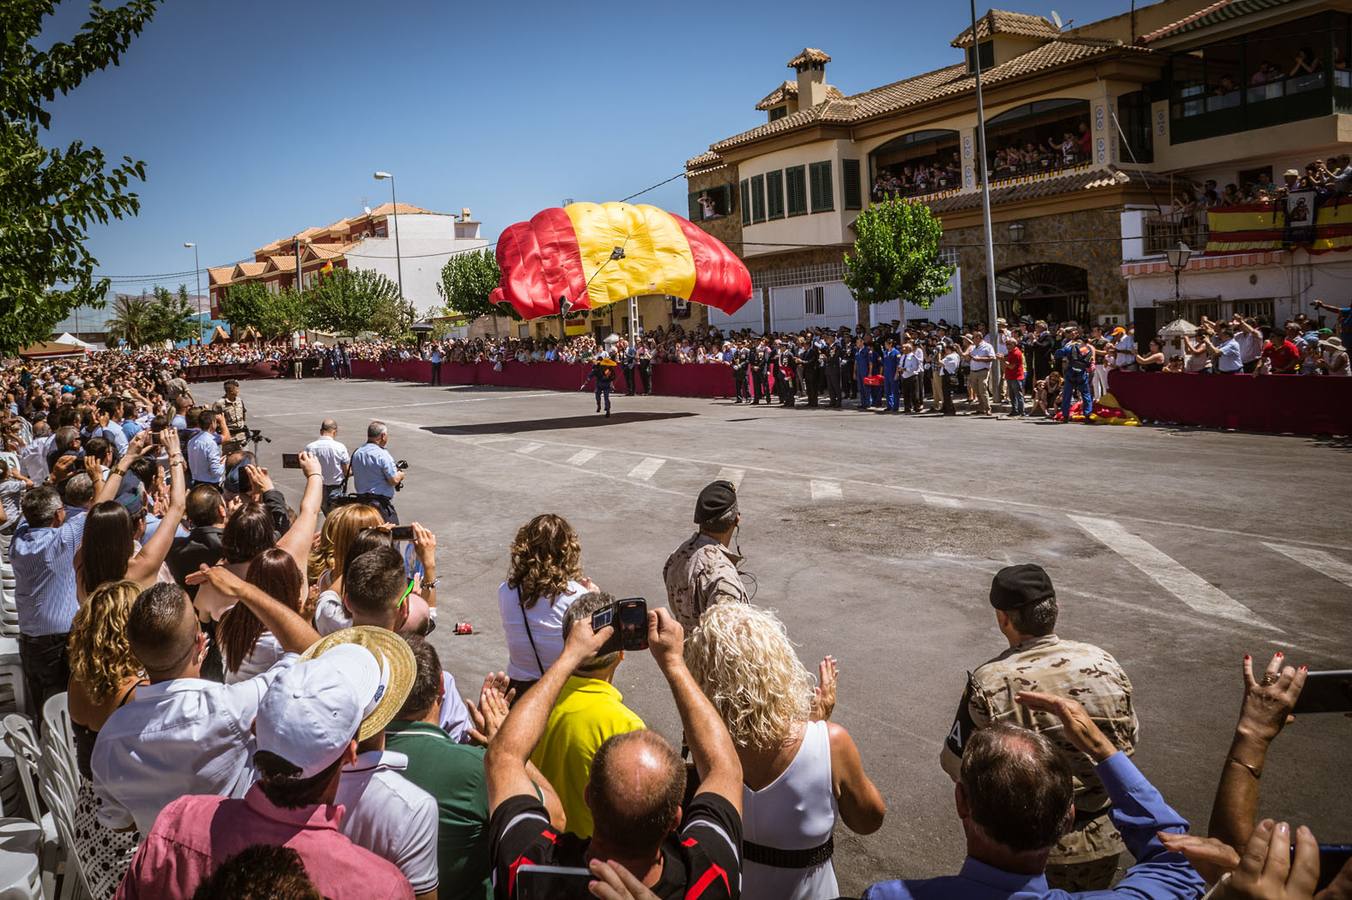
(197, 274)
(394, 210)
(985, 183)
(1178, 261)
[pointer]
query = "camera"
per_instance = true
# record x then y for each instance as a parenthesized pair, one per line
(630, 618)
(255, 436)
(401, 465)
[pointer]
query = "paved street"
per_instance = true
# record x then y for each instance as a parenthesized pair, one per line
(875, 538)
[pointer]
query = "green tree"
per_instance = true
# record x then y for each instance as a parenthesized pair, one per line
(245, 305)
(283, 315)
(49, 197)
(467, 280)
(896, 255)
(132, 321)
(350, 301)
(172, 317)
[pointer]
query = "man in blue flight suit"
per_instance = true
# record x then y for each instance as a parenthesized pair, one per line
(1078, 356)
(891, 362)
(864, 365)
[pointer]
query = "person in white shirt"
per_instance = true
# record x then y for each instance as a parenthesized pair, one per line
(334, 461)
(912, 368)
(1250, 341)
(1125, 345)
(996, 371)
(182, 734)
(982, 358)
(384, 811)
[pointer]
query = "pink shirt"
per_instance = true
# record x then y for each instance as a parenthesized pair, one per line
(195, 834)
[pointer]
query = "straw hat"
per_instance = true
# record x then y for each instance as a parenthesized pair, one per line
(398, 668)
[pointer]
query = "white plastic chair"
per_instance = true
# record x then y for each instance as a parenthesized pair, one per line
(60, 786)
(23, 741)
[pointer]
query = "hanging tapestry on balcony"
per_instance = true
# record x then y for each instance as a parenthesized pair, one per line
(1303, 219)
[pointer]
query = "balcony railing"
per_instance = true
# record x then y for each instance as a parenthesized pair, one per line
(1168, 231)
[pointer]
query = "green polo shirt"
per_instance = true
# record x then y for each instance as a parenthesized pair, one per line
(453, 774)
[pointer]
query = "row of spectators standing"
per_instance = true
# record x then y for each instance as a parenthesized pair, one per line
(255, 703)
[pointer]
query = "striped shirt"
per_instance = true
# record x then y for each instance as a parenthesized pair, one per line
(44, 575)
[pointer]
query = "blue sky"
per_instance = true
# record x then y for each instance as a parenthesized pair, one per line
(257, 119)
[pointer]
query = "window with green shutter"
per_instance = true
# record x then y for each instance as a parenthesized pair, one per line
(795, 180)
(854, 189)
(745, 196)
(758, 198)
(774, 194)
(823, 196)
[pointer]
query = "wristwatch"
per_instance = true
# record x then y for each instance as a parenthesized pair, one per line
(431, 584)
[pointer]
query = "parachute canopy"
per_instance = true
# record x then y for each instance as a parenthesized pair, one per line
(571, 252)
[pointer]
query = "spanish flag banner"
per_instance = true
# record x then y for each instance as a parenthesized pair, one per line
(1245, 228)
(1333, 227)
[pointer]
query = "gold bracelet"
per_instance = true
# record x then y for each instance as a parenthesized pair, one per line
(1256, 772)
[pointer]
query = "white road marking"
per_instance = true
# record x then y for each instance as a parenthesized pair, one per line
(825, 490)
(647, 469)
(1324, 563)
(409, 405)
(582, 457)
(947, 502)
(728, 473)
(1167, 572)
(529, 448)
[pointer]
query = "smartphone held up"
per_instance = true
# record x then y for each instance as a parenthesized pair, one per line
(630, 618)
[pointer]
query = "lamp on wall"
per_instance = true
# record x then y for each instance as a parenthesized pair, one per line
(1016, 230)
(1178, 261)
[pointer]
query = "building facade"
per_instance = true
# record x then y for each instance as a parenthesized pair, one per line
(425, 240)
(1089, 135)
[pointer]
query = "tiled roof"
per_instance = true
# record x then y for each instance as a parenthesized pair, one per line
(405, 209)
(1220, 11)
(282, 263)
(330, 251)
(779, 95)
(999, 21)
(250, 269)
(220, 275)
(704, 160)
(930, 86)
(1034, 188)
(809, 55)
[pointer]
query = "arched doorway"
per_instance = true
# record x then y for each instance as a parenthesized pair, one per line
(1052, 292)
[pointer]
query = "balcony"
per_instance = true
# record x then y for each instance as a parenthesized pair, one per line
(1167, 231)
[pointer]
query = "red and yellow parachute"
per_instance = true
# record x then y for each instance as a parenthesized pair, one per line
(570, 252)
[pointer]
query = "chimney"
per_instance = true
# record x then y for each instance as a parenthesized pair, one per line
(810, 65)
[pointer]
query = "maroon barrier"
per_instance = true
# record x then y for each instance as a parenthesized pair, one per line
(669, 379)
(1292, 404)
(264, 369)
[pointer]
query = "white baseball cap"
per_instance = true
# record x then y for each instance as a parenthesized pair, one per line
(314, 709)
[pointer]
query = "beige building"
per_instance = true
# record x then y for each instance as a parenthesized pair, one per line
(1081, 147)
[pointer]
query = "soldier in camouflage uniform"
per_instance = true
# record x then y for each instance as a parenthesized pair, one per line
(1085, 858)
(703, 570)
(232, 408)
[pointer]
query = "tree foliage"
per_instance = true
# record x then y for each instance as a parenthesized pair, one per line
(49, 197)
(273, 314)
(130, 322)
(350, 301)
(138, 320)
(467, 280)
(896, 255)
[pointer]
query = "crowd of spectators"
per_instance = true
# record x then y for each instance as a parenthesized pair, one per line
(1328, 180)
(254, 700)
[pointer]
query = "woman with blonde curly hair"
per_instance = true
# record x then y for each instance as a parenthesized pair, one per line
(800, 772)
(104, 675)
(544, 579)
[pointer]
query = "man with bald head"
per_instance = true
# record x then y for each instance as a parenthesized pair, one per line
(633, 791)
(334, 461)
(182, 734)
(1015, 797)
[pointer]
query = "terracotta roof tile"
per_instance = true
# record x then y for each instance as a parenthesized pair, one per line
(220, 275)
(250, 269)
(999, 21)
(385, 209)
(704, 160)
(1220, 11)
(809, 55)
(930, 86)
(1086, 178)
(282, 263)
(785, 91)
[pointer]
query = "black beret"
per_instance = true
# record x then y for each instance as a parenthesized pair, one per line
(1015, 587)
(715, 501)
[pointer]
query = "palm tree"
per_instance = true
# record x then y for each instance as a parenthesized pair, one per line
(131, 321)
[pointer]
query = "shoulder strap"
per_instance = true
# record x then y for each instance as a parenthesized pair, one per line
(526, 619)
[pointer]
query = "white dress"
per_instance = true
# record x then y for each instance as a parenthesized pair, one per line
(797, 811)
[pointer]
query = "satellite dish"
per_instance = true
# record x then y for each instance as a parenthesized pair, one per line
(1056, 20)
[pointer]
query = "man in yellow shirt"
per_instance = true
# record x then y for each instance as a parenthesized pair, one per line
(589, 710)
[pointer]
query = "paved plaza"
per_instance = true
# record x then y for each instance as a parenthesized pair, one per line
(875, 537)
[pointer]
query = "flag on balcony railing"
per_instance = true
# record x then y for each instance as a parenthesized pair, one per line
(1300, 220)
(1333, 227)
(1246, 227)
